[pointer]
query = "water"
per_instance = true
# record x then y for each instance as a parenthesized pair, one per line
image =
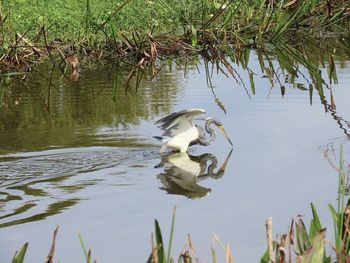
(81, 155)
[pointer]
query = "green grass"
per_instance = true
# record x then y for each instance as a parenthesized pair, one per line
(136, 28)
(71, 20)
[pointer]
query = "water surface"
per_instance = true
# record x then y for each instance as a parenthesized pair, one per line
(80, 154)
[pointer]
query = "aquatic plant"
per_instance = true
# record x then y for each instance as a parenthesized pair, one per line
(309, 246)
(158, 253)
(19, 255)
(188, 254)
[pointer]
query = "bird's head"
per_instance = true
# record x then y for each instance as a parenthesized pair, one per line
(221, 128)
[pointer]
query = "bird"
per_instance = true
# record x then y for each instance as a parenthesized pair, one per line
(180, 132)
(183, 172)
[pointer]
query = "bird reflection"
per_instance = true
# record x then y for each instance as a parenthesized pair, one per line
(182, 173)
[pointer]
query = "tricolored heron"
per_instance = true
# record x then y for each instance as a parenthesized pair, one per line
(183, 173)
(180, 132)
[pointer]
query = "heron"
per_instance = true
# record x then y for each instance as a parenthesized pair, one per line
(180, 132)
(183, 173)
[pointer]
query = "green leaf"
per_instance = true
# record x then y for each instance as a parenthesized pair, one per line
(316, 218)
(171, 234)
(5, 45)
(300, 86)
(303, 240)
(213, 254)
(84, 248)
(317, 251)
(19, 256)
(261, 61)
(310, 92)
(252, 85)
(245, 57)
(266, 257)
(283, 90)
(149, 260)
(194, 37)
(327, 259)
(334, 214)
(160, 244)
(312, 230)
(285, 62)
(331, 70)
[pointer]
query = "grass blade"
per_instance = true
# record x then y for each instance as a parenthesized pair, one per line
(171, 234)
(316, 218)
(316, 252)
(160, 244)
(86, 253)
(266, 257)
(19, 256)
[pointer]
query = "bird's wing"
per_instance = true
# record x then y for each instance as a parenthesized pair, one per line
(177, 122)
(180, 118)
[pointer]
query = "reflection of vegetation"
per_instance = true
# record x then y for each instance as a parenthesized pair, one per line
(52, 209)
(29, 190)
(46, 108)
(48, 182)
(312, 58)
(47, 105)
(285, 65)
(87, 101)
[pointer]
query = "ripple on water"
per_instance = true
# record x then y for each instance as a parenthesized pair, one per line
(35, 185)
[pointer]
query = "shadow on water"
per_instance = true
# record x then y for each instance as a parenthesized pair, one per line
(182, 173)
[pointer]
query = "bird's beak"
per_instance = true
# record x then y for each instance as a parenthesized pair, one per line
(223, 166)
(221, 127)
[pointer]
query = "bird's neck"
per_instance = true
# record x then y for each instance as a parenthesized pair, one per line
(212, 135)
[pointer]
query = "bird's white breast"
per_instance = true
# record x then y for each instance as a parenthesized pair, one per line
(184, 162)
(183, 139)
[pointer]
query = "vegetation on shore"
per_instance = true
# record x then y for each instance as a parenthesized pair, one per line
(142, 31)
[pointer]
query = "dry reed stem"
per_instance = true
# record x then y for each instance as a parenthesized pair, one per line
(282, 249)
(154, 250)
(191, 246)
(49, 258)
(27, 42)
(335, 167)
(268, 225)
(228, 254)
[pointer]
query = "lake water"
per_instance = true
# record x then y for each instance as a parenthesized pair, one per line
(80, 154)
